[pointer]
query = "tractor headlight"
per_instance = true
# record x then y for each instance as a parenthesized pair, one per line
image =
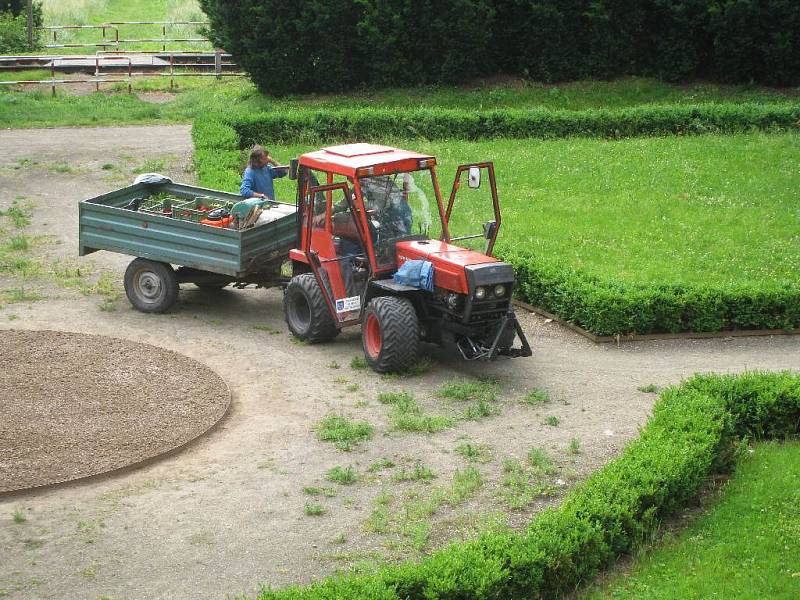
(499, 291)
(480, 293)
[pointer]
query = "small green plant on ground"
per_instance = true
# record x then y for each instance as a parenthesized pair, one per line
(19, 516)
(314, 510)
(312, 491)
(407, 415)
(333, 365)
(552, 421)
(411, 523)
(151, 165)
(346, 476)
(574, 446)
(536, 397)
(523, 484)
(343, 431)
(339, 539)
(62, 168)
(466, 389)
(353, 387)
(19, 213)
(475, 452)
(359, 363)
(20, 294)
(418, 472)
(649, 389)
(381, 465)
(479, 410)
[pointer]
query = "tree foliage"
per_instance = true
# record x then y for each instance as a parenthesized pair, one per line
(315, 45)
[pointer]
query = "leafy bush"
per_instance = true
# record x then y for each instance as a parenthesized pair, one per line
(360, 124)
(607, 307)
(14, 26)
(693, 432)
(324, 46)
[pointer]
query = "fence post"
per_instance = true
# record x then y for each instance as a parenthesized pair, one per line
(171, 72)
(30, 24)
(218, 63)
(53, 75)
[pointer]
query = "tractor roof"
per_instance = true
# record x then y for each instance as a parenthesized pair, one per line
(348, 158)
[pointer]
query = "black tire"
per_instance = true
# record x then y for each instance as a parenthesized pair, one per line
(390, 334)
(151, 286)
(306, 311)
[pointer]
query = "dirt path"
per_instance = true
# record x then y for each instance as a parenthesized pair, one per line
(228, 513)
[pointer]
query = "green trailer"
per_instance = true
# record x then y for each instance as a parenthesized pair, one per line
(167, 228)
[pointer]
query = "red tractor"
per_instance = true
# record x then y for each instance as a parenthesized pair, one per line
(363, 211)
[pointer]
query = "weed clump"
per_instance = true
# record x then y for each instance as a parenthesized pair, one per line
(407, 415)
(343, 431)
(346, 476)
(535, 397)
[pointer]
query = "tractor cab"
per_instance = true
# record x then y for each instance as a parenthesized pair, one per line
(364, 210)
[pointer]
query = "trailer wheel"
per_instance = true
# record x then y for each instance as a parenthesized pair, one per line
(390, 333)
(151, 286)
(306, 311)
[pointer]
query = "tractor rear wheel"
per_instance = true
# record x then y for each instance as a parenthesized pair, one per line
(390, 333)
(151, 286)
(306, 311)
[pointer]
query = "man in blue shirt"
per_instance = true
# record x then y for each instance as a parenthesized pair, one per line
(258, 176)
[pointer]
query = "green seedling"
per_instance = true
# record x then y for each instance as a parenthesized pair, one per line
(649, 389)
(552, 421)
(475, 452)
(359, 363)
(536, 397)
(19, 516)
(333, 365)
(380, 465)
(346, 476)
(419, 473)
(314, 510)
(463, 390)
(574, 446)
(343, 431)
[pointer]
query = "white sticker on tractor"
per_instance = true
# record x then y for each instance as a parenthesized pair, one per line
(348, 304)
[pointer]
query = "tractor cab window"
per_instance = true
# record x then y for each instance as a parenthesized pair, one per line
(400, 206)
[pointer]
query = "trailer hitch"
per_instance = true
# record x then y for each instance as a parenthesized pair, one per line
(471, 350)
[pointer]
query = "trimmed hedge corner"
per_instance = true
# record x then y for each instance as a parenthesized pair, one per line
(696, 430)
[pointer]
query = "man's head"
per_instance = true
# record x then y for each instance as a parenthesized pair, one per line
(259, 157)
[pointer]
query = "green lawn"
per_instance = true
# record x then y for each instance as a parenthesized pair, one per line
(203, 95)
(700, 209)
(93, 12)
(746, 547)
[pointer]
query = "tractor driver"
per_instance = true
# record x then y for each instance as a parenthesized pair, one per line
(261, 170)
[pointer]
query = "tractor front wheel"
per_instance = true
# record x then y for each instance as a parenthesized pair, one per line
(390, 334)
(306, 311)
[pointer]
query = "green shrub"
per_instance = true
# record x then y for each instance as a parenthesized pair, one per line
(607, 307)
(693, 432)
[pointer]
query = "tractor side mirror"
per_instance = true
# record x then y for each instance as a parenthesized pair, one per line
(293, 168)
(489, 228)
(474, 177)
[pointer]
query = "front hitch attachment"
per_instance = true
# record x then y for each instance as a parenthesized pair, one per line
(471, 350)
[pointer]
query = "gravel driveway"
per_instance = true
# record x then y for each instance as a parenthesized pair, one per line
(229, 512)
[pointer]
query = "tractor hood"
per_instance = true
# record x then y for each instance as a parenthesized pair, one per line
(456, 269)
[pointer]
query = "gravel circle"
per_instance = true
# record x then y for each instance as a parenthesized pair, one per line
(74, 405)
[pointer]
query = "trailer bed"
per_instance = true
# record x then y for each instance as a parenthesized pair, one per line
(105, 225)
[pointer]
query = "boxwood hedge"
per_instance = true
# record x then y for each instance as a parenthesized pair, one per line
(367, 123)
(696, 430)
(604, 307)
